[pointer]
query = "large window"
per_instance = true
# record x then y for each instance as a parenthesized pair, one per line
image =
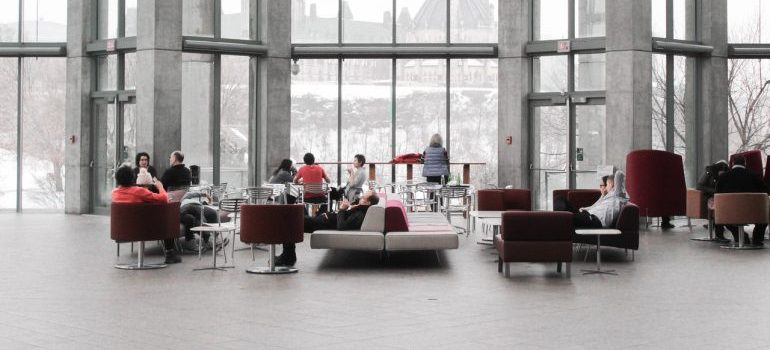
(314, 111)
(198, 112)
(748, 21)
(8, 131)
(234, 124)
(749, 105)
(314, 21)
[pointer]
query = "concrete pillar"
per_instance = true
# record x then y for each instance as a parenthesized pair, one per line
(712, 127)
(77, 158)
(159, 79)
(513, 89)
(273, 97)
(629, 79)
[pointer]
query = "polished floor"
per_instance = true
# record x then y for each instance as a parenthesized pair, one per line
(59, 291)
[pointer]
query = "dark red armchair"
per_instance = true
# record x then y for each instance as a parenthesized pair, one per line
(140, 222)
(526, 236)
(753, 160)
(655, 182)
(504, 199)
(627, 223)
(272, 224)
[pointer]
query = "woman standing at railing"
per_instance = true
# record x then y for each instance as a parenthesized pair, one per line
(356, 179)
(435, 161)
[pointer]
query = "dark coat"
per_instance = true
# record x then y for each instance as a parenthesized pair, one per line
(740, 180)
(176, 176)
(352, 219)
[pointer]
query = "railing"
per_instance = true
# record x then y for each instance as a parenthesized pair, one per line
(409, 168)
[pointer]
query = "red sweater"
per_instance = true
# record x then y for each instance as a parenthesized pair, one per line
(138, 194)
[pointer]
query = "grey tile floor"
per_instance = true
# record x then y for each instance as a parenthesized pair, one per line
(58, 290)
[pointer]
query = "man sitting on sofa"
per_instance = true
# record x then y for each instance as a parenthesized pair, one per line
(347, 218)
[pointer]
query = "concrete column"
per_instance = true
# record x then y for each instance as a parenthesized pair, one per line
(80, 21)
(712, 127)
(513, 89)
(629, 79)
(273, 105)
(159, 79)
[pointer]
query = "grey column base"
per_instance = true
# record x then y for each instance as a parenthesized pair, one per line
(266, 270)
(139, 267)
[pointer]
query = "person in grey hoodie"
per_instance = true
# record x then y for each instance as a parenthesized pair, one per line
(605, 211)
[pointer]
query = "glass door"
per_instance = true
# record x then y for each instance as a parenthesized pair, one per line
(114, 144)
(567, 146)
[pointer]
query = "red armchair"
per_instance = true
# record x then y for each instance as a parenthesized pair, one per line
(504, 199)
(272, 224)
(535, 237)
(753, 160)
(767, 171)
(140, 222)
(655, 182)
(627, 223)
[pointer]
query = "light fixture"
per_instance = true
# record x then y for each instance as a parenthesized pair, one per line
(295, 67)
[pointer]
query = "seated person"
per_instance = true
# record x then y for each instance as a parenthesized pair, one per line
(128, 192)
(283, 175)
(191, 206)
(178, 175)
(348, 218)
(142, 161)
(605, 211)
(707, 184)
(311, 173)
(562, 204)
(740, 180)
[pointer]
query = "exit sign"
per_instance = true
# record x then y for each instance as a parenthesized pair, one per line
(563, 46)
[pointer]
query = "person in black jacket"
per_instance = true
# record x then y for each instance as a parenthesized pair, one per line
(741, 180)
(178, 175)
(348, 218)
(143, 161)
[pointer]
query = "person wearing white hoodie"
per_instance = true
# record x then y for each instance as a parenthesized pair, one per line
(605, 211)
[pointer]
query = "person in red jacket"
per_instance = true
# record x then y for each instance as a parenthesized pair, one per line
(128, 192)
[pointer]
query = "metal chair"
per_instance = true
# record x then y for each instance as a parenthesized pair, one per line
(278, 195)
(228, 205)
(320, 192)
(425, 196)
(450, 193)
(258, 195)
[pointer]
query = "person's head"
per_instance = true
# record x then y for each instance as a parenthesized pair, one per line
(176, 157)
(359, 160)
(739, 160)
(125, 176)
(436, 140)
(285, 166)
(369, 198)
(309, 159)
(603, 184)
(719, 168)
(142, 160)
(609, 183)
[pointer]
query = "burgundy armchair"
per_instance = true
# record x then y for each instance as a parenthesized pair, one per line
(504, 199)
(767, 171)
(140, 222)
(272, 224)
(655, 182)
(535, 237)
(627, 223)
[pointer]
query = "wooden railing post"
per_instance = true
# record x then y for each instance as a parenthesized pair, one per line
(372, 172)
(408, 172)
(466, 174)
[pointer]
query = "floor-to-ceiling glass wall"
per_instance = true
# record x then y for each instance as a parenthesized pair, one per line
(749, 90)
(32, 99)
(395, 104)
(567, 113)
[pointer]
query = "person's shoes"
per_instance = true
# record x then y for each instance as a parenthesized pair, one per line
(666, 226)
(282, 260)
(758, 244)
(189, 246)
(172, 257)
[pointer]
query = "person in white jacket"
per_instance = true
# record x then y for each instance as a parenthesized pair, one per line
(605, 211)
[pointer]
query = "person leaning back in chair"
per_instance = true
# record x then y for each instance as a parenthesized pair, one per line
(606, 210)
(347, 218)
(128, 192)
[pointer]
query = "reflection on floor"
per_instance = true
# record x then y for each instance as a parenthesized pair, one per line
(59, 290)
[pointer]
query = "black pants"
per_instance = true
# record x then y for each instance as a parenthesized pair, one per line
(324, 221)
(758, 235)
(435, 179)
(585, 220)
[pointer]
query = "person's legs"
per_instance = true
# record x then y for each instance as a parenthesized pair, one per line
(665, 222)
(758, 235)
(171, 256)
(288, 256)
(585, 220)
